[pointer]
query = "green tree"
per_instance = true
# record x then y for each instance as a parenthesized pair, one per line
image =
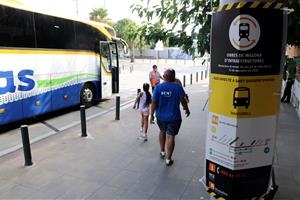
(127, 29)
(99, 15)
(152, 33)
(141, 43)
(121, 25)
(183, 16)
(191, 23)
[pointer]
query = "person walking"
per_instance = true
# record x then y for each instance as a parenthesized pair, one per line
(289, 76)
(144, 99)
(286, 98)
(154, 77)
(166, 101)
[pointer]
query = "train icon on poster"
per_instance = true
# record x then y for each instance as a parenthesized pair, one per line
(241, 97)
(244, 32)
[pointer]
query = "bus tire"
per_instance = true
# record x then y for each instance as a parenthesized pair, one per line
(87, 95)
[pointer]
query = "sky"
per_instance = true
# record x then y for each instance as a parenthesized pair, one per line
(117, 9)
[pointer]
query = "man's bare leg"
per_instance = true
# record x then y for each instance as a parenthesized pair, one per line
(170, 146)
(162, 140)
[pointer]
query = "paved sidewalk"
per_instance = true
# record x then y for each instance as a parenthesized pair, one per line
(113, 164)
(287, 157)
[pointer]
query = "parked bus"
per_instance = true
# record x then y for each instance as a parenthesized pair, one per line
(49, 62)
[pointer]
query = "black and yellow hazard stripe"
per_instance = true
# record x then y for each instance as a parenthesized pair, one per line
(214, 195)
(218, 197)
(252, 5)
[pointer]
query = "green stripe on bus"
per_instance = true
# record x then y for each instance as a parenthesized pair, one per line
(57, 81)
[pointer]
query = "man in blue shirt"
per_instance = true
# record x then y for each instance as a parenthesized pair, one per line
(166, 101)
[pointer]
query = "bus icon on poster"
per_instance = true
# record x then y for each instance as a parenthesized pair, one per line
(241, 97)
(244, 31)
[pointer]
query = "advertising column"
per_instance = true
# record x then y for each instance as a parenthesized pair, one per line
(247, 52)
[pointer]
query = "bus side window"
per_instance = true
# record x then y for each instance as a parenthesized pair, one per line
(16, 28)
(86, 37)
(54, 32)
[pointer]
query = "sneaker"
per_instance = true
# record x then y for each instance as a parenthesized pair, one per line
(140, 137)
(169, 162)
(145, 138)
(141, 130)
(162, 155)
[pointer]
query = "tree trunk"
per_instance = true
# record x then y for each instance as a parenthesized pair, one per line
(141, 52)
(131, 55)
(132, 58)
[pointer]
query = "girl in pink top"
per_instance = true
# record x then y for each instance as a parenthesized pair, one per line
(144, 99)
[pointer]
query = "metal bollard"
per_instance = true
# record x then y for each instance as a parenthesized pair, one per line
(201, 75)
(117, 107)
(191, 79)
(197, 77)
(26, 145)
(131, 68)
(205, 73)
(183, 80)
(83, 121)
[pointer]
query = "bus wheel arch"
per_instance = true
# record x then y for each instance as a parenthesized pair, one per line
(88, 94)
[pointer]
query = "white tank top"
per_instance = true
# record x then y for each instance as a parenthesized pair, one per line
(143, 100)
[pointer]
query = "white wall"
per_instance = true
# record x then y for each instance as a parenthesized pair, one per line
(167, 53)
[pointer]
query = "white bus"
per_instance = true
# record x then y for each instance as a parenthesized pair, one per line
(48, 62)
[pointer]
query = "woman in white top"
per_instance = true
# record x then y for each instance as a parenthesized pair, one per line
(144, 99)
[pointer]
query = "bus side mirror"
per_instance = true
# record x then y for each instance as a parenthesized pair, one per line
(125, 49)
(125, 46)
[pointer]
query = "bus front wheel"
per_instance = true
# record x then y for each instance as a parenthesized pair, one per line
(87, 95)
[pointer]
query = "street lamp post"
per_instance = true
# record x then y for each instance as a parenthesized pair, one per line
(77, 11)
(244, 97)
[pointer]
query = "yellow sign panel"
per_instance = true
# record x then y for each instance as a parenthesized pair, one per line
(244, 96)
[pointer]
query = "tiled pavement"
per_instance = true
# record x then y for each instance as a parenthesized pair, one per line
(113, 164)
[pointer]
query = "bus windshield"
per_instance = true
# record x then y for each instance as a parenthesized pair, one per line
(114, 54)
(105, 55)
(241, 93)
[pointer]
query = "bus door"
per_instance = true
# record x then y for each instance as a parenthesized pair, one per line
(114, 67)
(105, 69)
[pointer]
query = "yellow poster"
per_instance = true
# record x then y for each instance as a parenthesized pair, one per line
(245, 96)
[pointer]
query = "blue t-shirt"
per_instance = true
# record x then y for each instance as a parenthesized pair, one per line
(167, 97)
